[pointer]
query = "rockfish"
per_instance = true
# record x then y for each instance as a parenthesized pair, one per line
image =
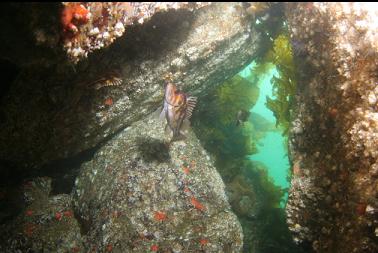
(177, 110)
(242, 116)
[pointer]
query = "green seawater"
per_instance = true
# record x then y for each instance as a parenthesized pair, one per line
(272, 152)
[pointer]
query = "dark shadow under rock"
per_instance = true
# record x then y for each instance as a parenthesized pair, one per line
(44, 224)
(153, 150)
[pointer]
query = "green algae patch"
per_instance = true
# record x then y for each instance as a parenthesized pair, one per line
(215, 120)
(251, 191)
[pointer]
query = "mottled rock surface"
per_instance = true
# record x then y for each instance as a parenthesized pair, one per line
(333, 204)
(139, 193)
(90, 26)
(45, 224)
(54, 109)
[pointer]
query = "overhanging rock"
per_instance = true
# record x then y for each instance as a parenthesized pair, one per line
(59, 110)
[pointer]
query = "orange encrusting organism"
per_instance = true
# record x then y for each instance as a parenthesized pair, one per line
(203, 242)
(186, 170)
(197, 204)
(108, 101)
(160, 216)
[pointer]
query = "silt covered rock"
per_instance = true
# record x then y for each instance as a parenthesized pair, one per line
(139, 193)
(45, 224)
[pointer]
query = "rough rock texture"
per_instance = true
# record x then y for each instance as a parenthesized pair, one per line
(94, 25)
(333, 204)
(138, 194)
(28, 35)
(45, 224)
(78, 107)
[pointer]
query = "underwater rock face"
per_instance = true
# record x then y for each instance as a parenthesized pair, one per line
(55, 110)
(94, 25)
(333, 205)
(138, 194)
(46, 224)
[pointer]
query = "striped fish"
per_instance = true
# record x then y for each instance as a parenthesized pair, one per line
(177, 110)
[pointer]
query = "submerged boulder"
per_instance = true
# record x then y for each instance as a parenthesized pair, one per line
(333, 204)
(55, 109)
(45, 224)
(140, 193)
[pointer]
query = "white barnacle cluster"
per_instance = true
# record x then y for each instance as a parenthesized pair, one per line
(340, 41)
(356, 39)
(109, 21)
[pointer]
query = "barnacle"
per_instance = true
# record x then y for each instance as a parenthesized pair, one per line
(89, 26)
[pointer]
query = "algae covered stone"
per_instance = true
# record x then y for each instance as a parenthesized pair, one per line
(139, 191)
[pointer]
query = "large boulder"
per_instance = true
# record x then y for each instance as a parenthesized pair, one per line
(44, 224)
(55, 109)
(333, 205)
(140, 193)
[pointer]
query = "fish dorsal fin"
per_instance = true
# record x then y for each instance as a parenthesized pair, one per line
(191, 103)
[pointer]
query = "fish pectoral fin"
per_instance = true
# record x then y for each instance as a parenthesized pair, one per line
(162, 113)
(159, 113)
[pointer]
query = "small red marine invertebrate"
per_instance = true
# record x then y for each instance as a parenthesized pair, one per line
(68, 213)
(29, 229)
(332, 112)
(109, 248)
(29, 212)
(203, 242)
(197, 204)
(108, 101)
(154, 247)
(73, 15)
(160, 216)
(186, 170)
(58, 216)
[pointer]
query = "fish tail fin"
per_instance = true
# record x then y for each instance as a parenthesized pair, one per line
(178, 137)
(166, 129)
